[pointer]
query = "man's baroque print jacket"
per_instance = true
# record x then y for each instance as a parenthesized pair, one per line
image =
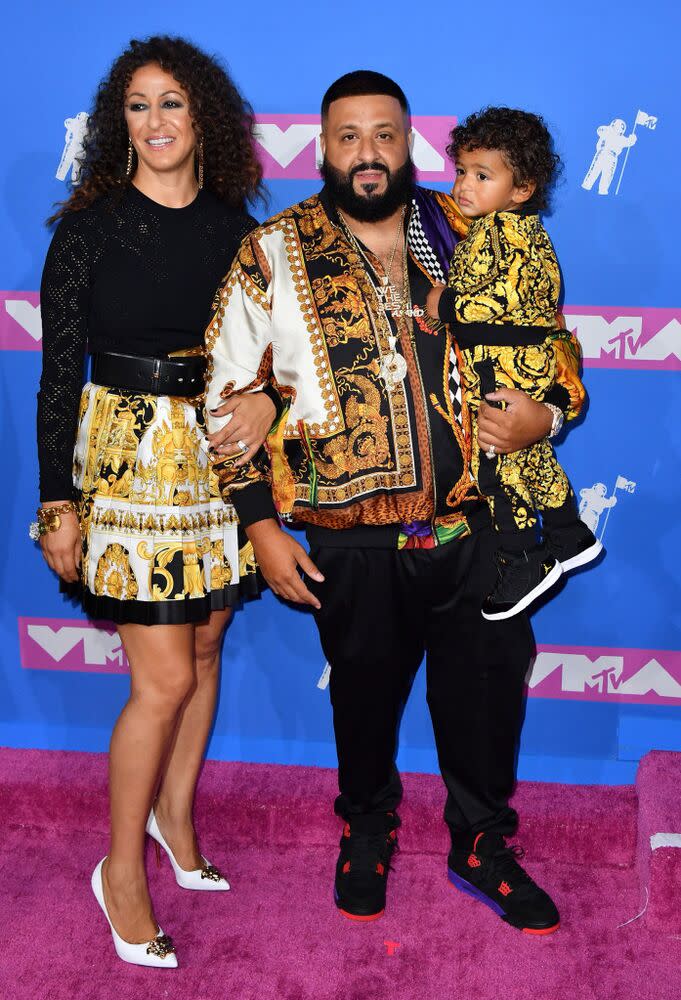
(298, 309)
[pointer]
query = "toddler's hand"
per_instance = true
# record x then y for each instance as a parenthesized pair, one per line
(433, 299)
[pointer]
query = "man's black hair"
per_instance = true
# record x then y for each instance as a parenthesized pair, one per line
(361, 83)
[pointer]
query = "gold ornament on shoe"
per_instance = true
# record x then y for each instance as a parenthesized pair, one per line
(161, 946)
(211, 872)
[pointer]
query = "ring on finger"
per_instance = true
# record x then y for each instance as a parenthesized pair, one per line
(242, 446)
(491, 451)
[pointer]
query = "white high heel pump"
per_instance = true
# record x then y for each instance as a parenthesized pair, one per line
(157, 954)
(206, 879)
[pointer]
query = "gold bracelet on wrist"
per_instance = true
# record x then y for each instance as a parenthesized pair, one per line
(49, 519)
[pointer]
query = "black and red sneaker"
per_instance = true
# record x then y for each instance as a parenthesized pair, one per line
(488, 870)
(366, 847)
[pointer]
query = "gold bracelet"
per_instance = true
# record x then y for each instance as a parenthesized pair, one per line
(49, 519)
(48, 513)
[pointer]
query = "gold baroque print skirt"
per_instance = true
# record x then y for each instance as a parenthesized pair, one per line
(159, 544)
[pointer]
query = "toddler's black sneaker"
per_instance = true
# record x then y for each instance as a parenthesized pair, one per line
(488, 871)
(522, 578)
(572, 545)
(366, 847)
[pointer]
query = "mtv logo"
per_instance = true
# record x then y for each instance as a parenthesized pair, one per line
(58, 644)
(617, 338)
(20, 321)
(290, 147)
(597, 674)
(577, 671)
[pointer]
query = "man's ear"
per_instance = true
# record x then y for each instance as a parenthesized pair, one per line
(410, 141)
(322, 142)
(524, 192)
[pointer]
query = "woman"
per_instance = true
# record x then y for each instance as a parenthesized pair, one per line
(134, 517)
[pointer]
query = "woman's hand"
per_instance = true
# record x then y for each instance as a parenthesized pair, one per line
(522, 423)
(62, 548)
(253, 414)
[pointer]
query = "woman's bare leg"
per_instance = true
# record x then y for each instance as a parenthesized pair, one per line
(176, 794)
(161, 661)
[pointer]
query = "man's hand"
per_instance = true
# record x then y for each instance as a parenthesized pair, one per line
(433, 300)
(279, 557)
(252, 416)
(62, 548)
(522, 423)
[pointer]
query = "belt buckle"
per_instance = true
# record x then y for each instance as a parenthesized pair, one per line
(156, 375)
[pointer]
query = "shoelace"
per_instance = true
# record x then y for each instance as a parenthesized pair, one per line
(504, 863)
(369, 849)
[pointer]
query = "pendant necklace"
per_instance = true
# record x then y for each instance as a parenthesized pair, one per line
(393, 366)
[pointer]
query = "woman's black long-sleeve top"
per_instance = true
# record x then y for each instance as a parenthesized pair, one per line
(125, 275)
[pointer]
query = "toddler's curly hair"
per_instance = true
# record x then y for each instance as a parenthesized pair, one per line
(523, 140)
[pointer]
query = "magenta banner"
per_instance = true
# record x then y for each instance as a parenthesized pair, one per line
(594, 673)
(70, 644)
(611, 336)
(20, 326)
(621, 337)
(290, 149)
(583, 673)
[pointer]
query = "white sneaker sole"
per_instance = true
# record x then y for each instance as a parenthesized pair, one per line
(582, 558)
(549, 580)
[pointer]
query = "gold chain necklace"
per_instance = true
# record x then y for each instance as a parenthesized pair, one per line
(393, 366)
(391, 301)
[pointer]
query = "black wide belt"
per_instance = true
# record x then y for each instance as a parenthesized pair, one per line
(183, 376)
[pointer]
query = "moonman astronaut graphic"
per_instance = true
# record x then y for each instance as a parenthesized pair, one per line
(611, 142)
(73, 145)
(592, 504)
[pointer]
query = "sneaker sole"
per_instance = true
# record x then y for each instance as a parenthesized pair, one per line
(582, 558)
(463, 886)
(549, 580)
(363, 918)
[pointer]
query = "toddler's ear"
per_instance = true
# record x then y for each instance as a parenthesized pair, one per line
(524, 192)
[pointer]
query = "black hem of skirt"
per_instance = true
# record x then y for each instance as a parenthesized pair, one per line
(181, 612)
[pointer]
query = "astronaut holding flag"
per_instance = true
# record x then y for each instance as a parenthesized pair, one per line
(612, 139)
(594, 501)
(73, 147)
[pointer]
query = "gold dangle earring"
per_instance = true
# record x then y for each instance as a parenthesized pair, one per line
(128, 169)
(199, 159)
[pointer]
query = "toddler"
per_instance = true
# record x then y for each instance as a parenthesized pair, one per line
(501, 304)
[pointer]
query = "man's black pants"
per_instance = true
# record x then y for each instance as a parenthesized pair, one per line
(382, 609)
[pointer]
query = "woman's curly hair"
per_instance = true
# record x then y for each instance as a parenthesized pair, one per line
(523, 140)
(219, 113)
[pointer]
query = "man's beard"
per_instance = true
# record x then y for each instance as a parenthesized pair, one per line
(370, 207)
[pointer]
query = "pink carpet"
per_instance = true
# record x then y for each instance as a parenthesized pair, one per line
(277, 934)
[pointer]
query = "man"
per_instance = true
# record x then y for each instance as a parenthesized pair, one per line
(373, 457)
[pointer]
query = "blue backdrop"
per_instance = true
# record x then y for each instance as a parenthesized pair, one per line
(607, 684)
